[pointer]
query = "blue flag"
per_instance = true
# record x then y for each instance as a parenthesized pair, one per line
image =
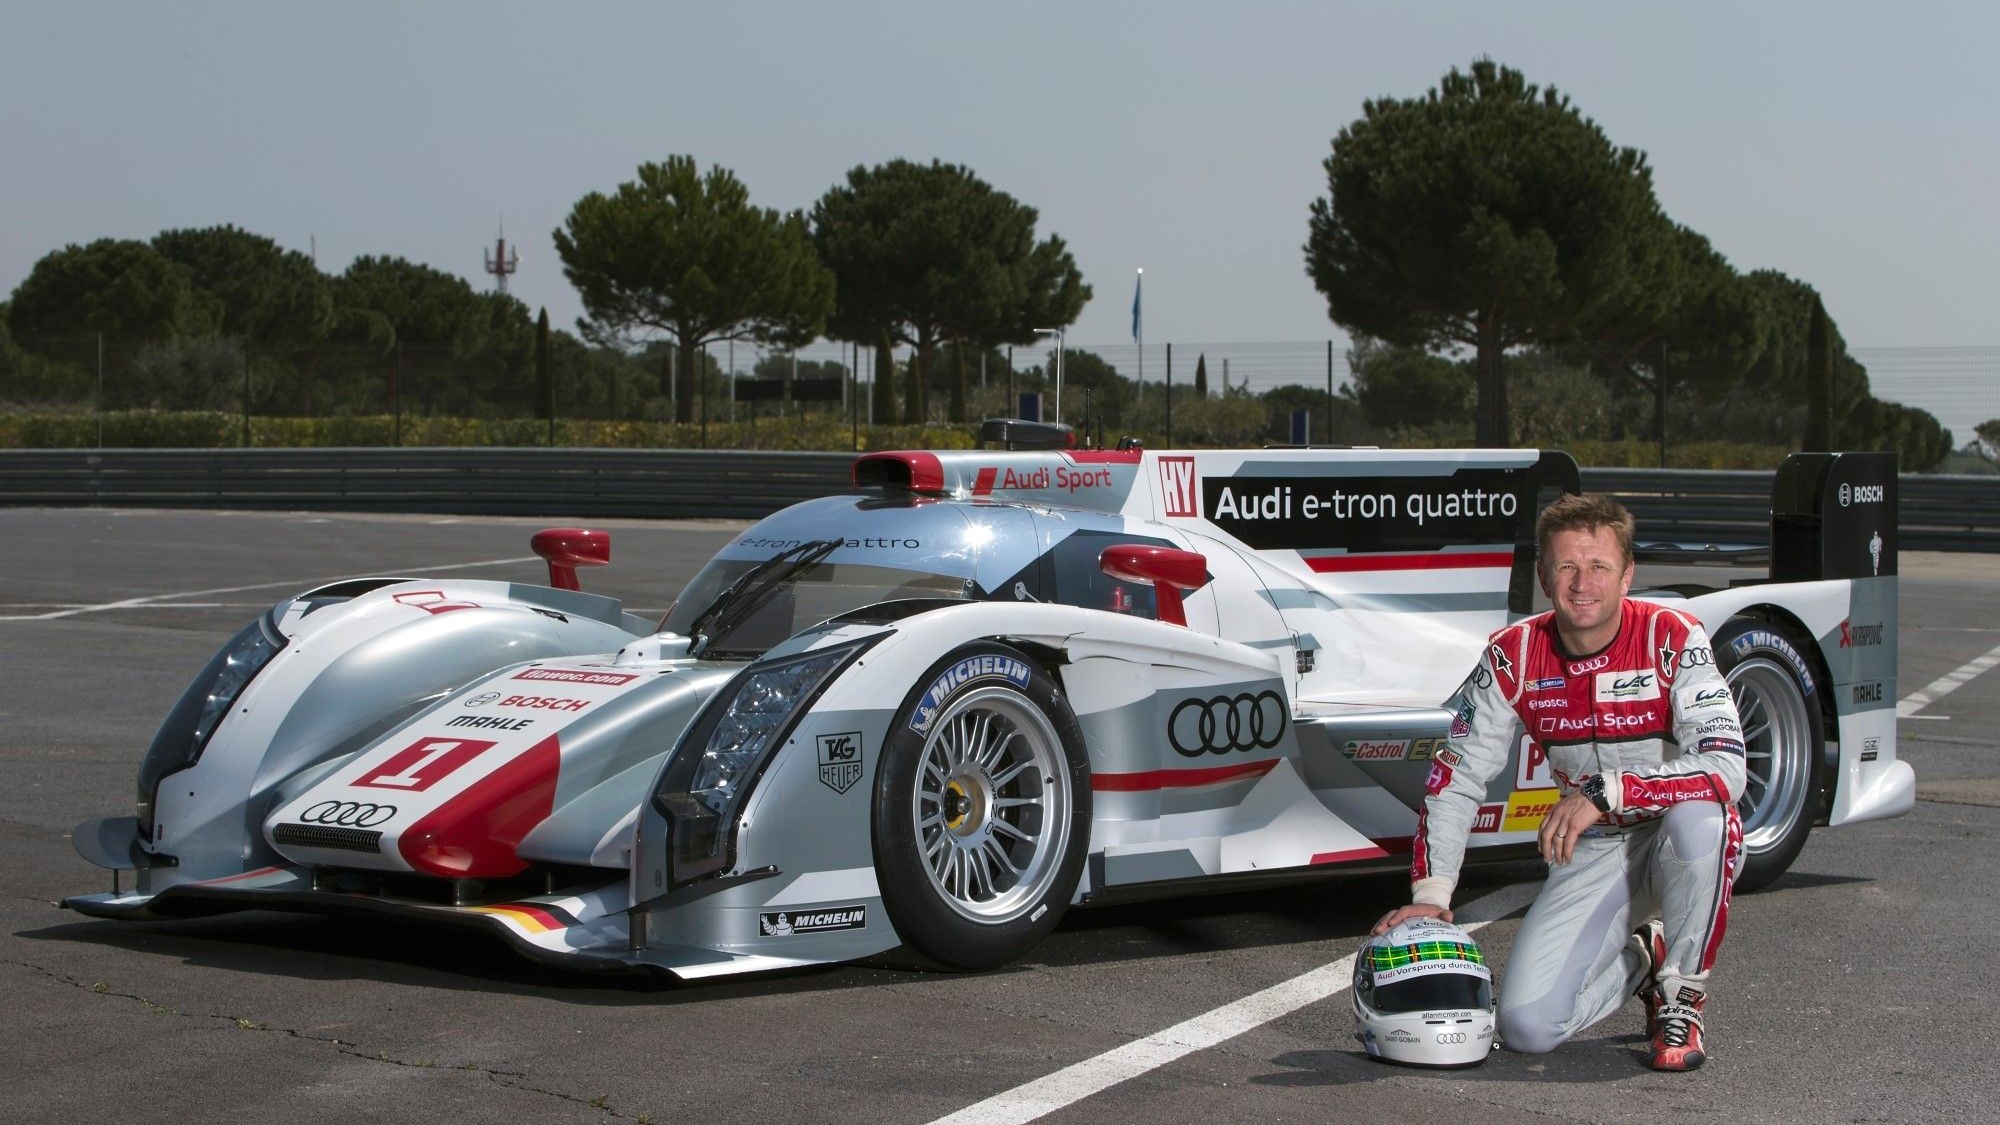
(1137, 287)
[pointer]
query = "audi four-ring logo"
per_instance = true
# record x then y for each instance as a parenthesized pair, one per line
(1451, 1036)
(1225, 723)
(353, 814)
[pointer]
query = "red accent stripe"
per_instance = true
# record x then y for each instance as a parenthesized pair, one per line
(473, 835)
(261, 871)
(1105, 456)
(982, 485)
(1396, 845)
(1420, 851)
(1732, 855)
(1347, 856)
(1448, 560)
(1152, 780)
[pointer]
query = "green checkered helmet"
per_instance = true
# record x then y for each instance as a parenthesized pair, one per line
(1423, 996)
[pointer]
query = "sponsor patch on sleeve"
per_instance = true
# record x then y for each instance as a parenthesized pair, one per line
(1706, 698)
(1438, 778)
(1461, 721)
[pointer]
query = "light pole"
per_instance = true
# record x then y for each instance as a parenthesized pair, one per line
(1058, 334)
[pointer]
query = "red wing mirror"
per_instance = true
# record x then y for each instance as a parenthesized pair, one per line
(1169, 570)
(567, 548)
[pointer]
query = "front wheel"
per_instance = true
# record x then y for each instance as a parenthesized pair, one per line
(1773, 685)
(982, 809)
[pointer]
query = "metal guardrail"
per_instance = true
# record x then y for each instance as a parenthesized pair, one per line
(558, 483)
(1939, 513)
(1934, 513)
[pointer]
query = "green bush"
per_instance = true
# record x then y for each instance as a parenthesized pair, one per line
(1226, 422)
(1637, 454)
(160, 429)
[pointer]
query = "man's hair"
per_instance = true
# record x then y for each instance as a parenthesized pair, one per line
(1584, 512)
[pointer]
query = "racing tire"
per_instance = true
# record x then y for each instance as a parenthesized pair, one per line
(982, 809)
(1774, 683)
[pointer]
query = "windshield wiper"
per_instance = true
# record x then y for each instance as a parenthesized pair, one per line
(751, 590)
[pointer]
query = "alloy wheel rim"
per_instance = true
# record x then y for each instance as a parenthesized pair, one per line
(992, 805)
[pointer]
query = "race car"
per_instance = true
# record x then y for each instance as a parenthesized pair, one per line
(928, 717)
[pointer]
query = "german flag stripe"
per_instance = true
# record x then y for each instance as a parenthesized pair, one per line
(536, 918)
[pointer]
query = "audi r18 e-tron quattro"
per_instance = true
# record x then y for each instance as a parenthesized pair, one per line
(933, 714)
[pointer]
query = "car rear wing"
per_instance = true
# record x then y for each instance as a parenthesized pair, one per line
(1833, 515)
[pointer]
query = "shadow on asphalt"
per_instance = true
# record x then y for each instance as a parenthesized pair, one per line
(321, 948)
(1805, 880)
(314, 947)
(1573, 1063)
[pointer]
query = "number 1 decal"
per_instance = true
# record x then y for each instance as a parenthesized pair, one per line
(423, 763)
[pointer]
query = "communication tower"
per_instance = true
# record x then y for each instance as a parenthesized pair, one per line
(502, 261)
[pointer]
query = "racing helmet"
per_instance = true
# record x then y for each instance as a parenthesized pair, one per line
(1423, 996)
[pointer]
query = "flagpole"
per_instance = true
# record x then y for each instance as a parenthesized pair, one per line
(1139, 332)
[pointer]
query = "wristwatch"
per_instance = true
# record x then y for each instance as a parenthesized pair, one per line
(1593, 788)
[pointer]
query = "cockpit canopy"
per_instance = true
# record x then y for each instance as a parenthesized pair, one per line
(898, 549)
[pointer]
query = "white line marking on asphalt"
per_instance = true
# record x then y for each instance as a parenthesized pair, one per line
(147, 602)
(1049, 1093)
(1944, 685)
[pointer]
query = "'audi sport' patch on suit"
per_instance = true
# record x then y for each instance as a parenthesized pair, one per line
(958, 675)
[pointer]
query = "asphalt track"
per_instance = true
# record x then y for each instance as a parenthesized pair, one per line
(1861, 987)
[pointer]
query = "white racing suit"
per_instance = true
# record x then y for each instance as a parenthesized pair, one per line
(1650, 712)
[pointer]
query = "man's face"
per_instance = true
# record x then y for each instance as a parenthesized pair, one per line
(1586, 578)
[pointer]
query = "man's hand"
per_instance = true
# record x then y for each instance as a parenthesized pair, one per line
(1564, 824)
(1403, 914)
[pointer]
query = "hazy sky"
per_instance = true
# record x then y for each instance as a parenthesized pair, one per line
(1855, 146)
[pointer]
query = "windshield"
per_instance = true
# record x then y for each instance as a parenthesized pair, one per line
(793, 601)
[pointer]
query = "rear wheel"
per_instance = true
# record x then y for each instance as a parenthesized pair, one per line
(1773, 685)
(982, 809)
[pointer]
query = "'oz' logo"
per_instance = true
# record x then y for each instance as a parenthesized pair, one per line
(840, 760)
(1216, 726)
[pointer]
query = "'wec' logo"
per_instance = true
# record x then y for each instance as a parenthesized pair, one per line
(1626, 687)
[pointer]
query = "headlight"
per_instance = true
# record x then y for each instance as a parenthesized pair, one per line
(726, 750)
(201, 708)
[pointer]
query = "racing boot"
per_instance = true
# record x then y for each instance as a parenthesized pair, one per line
(1649, 942)
(1676, 1035)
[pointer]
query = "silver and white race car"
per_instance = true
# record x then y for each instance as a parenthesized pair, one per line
(932, 716)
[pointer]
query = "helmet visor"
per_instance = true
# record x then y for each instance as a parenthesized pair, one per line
(1434, 992)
